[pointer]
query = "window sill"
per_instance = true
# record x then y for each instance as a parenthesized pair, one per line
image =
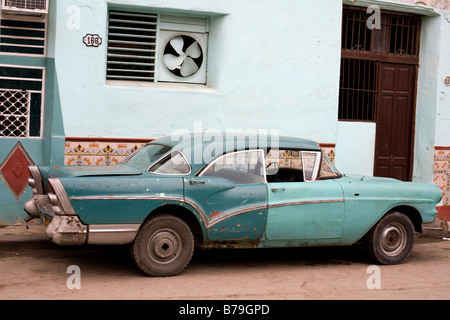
(161, 86)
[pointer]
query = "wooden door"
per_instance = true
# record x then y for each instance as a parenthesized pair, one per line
(396, 99)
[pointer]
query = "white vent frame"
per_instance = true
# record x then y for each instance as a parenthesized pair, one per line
(18, 11)
(164, 74)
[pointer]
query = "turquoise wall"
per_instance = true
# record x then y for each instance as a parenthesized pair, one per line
(48, 150)
(274, 68)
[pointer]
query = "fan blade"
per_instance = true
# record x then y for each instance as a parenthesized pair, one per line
(177, 44)
(194, 51)
(188, 68)
(172, 62)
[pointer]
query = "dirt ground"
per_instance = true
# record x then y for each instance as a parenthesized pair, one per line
(34, 268)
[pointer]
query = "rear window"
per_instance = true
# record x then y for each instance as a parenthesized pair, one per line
(174, 163)
(147, 155)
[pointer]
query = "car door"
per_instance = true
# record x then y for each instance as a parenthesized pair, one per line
(301, 206)
(231, 196)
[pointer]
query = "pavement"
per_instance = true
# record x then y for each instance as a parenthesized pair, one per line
(23, 232)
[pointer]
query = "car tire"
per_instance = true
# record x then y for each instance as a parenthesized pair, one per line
(391, 240)
(163, 246)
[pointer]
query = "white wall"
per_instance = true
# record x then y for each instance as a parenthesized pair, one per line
(355, 147)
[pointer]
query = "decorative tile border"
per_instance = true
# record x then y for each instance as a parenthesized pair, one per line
(98, 151)
(441, 172)
(86, 151)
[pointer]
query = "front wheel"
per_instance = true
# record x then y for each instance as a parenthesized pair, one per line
(391, 240)
(163, 247)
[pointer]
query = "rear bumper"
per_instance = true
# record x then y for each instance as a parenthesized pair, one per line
(68, 230)
(61, 229)
(64, 226)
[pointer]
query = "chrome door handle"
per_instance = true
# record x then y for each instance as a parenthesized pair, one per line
(278, 189)
(193, 182)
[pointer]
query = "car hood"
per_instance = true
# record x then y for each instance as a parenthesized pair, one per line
(92, 171)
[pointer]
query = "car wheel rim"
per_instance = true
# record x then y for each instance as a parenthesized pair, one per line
(164, 246)
(393, 240)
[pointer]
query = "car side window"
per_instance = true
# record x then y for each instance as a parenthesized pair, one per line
(291, 165)
(241, 167)
(284, 166)
(174, 163)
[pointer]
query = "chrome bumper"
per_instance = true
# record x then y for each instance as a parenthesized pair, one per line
(68, 230)
(436, 230)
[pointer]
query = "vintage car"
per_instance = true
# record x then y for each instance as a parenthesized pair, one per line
(239, 191)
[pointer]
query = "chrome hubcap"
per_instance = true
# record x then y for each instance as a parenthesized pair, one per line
(393, 239)
(164, 246)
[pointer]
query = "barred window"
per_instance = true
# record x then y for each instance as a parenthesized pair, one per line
(398, 33)
(22, 37)
(358, 90)
(21, 101)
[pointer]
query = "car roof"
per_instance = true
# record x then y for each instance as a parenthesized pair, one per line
(201, 148)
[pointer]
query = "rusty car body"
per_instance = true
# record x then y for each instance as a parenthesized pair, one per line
(229, 192)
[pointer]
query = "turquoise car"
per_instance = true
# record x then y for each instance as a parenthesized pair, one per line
(229, 191)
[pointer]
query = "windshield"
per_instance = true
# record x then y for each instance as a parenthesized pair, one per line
(144, 157)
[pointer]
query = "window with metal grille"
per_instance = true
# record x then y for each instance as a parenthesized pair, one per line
(22, 37)
(132, 46)
(398, 35)
(358, 90)
(397, 40)
(21, 100)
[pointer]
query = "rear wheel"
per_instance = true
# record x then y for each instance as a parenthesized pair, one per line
(391, 240)
(164, 246)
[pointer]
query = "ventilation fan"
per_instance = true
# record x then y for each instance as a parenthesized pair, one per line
(183, 57)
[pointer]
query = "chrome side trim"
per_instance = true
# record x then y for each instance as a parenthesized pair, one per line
(126, 198)
(208, 223)
(299, 203)
(227, 216)
(114, 234)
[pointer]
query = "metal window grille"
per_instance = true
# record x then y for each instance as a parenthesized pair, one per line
(21, 101)
(132, 46)
(398, 35)
(27, 4)
(358, 90)
(22, 37)
(355, 34)
(14, 113)
(403, 35)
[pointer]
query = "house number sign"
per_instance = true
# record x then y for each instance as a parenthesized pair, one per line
(92, 40)
(447, 81)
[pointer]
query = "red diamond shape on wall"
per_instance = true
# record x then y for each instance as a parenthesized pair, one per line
(14, 172)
